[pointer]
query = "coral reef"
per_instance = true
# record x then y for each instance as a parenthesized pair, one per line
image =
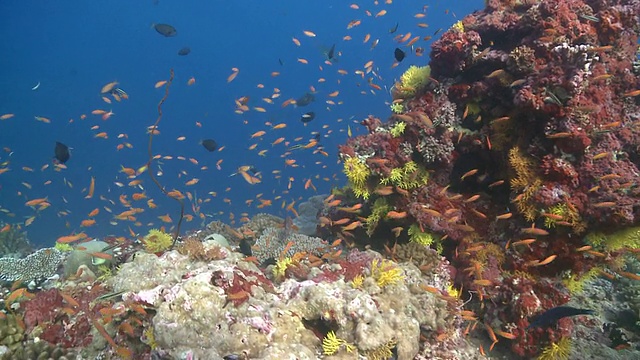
(389, 311)
(526, 125)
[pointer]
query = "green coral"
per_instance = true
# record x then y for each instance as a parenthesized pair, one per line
(423, 238)
(395, 175)
(105, 272)
(414, 79)
(575, 283)
(63, 247)
(357, 173)
(378, 211)
(397, 108)
(157, 241)
(385, 272)
(398, 129)
(409, 176)
(625, 238)
(418, 236)
(560, 209)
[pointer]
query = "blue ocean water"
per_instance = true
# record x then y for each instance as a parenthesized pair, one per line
(73, 48)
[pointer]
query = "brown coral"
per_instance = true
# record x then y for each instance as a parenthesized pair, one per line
(526, 181)
(197, 251)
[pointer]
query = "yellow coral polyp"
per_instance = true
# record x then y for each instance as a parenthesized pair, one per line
(414, 79)
(458, 26)
(398, 129)
(453, 292)
(557, 351)
(409, 176)
(281, 266)
(332, 343)
(397, 108)
(357, 173)
(357, 281)
(385, 272)
(157, 241)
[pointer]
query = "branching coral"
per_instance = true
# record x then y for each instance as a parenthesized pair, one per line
(41, 264)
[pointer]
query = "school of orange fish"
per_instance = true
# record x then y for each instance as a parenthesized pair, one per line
(136, 191)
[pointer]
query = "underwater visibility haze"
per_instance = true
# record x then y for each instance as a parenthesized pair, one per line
(320, 180)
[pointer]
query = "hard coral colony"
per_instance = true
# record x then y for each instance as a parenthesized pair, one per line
(502, 187)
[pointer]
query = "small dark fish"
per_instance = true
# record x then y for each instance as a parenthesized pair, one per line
(331, 52)
(305, 100)
(165, 30)
(62, 153)
(280, 61)
(399, 55)
(552, 315)
(393, 29)
(306, 117)
(209, 144)
(184, 51)
(245, 247)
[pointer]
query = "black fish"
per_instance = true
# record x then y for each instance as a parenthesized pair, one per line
(331, 52)
(393, 29)
(62, 153)
(306, 117)
(399, 55)
(165, 30)
(184, 51)
(305, 100)
(245, 247)
(552, 315)
(209, 144)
